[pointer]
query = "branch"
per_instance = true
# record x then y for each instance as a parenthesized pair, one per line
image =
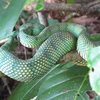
(81, 9)
(61, 7)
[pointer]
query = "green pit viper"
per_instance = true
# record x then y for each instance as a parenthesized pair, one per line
(53, 41)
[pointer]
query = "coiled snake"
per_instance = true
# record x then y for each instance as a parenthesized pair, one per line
(54, 41)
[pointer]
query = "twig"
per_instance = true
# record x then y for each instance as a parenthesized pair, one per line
(61, 6)
(42, 18)
(68, 17)
(25, 52)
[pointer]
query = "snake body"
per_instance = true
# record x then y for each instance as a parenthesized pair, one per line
(55, 40)
(35, 41)
(38, 36)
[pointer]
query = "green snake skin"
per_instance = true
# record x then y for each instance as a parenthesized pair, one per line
(35, 41)
(47, 55)
(55, 40)
(35, 27)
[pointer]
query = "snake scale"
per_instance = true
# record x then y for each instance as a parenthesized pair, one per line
(54, 41)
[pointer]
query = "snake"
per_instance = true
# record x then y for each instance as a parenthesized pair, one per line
(54, 42)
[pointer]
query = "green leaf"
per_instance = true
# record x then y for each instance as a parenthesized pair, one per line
(69, 84)
(94, 77)
(94, 64)
(40, 5)
(9, 16)
(63, 79)
(26, 91)
(94, 57)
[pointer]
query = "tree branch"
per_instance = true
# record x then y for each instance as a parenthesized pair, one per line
(81, 9)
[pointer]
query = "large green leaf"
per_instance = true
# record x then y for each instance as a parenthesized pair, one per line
(63, 81)
(9, 16)
(26, 91)
(94, 64)
(65, 84)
